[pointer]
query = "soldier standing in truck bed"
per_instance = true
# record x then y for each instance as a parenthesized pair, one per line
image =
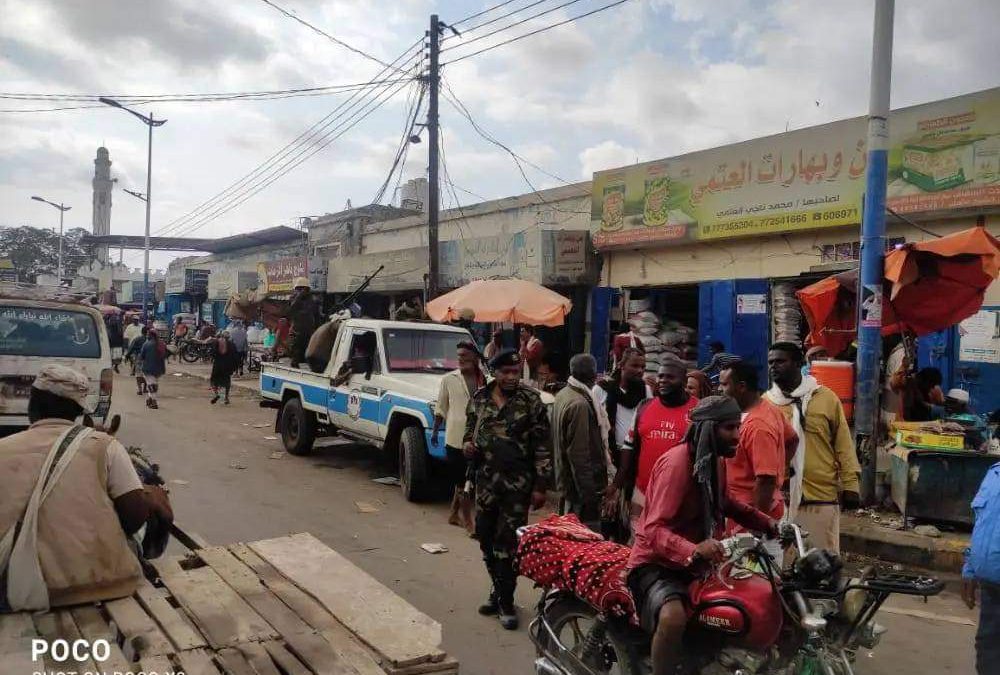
(507, 433)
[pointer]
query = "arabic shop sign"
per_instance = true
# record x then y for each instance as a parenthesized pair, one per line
(943, 155)
(278, 276)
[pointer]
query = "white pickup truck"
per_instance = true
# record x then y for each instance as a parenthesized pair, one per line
(387, 400)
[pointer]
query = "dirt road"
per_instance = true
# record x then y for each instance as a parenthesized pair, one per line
(227, 485)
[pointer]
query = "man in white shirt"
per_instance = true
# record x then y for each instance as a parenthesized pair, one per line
(457, 388)
(621, 395)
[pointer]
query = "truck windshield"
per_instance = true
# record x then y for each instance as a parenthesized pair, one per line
(31, 331)
(421, 350)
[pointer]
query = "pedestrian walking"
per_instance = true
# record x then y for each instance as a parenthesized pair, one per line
(659, 426)
(825, 470)
(495, 345)
(578, 442)
(132, 331)
(767, 444)
(153, 358)
(456, 390)
(225, 361)
(981, 572)
(531, 351)
(507, 433)
(238, 338)
(134, 351)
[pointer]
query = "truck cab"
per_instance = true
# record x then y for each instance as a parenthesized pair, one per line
(380, 387)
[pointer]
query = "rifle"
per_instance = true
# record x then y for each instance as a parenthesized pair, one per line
(346, 302)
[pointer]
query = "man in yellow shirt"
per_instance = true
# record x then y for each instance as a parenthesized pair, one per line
(825, 469)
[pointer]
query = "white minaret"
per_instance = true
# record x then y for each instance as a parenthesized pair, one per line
(102, 199)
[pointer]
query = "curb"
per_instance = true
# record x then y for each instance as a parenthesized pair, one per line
(944, 554)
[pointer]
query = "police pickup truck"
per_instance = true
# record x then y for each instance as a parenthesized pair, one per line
(380, 387)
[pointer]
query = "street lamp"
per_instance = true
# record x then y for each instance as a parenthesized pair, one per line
(62, 209)
(149, 122)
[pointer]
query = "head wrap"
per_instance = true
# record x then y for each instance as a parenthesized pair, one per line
(63, 382)
(508, 357)
(703, 444)
(704, 384)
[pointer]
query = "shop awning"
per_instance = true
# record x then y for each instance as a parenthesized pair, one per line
(929, 286)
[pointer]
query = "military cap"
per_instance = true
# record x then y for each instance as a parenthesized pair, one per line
(508, 357)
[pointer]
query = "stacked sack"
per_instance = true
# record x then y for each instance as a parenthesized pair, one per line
(787, 313)
(646, 325)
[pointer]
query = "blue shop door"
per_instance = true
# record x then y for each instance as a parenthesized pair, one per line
(939, 350)
(752, 325)
(977, 371)
(716, 316)
(602, 299)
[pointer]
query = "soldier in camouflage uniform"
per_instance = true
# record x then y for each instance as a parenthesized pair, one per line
(507, 434)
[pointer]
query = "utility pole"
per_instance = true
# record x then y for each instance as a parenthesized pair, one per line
(433, 191)
(62, 210)
(873, 250)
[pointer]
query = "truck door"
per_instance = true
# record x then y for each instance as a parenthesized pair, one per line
(354, 404)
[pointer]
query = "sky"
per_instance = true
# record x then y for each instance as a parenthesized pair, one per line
(644, 80)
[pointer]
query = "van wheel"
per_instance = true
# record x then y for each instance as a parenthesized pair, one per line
(413, 463)
(298, 427)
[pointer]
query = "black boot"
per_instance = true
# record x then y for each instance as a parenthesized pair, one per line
(506, 583)
(508, 616)
(491, 607)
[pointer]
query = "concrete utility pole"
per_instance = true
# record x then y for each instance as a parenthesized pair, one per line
(872, 270)
(149, 122)
(62, 210)
(433, 193)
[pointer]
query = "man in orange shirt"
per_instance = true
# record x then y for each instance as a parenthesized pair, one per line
(756, 473)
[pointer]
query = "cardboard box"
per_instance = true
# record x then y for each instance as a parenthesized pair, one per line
(930, 441)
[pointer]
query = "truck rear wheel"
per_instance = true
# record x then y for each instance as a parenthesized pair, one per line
(413, 463)
(298, 427)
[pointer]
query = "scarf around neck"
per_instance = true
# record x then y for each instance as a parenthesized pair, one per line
(798, 399)
(704, 446)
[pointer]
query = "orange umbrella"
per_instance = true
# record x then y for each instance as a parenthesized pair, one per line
(496, 300)
(929, 286)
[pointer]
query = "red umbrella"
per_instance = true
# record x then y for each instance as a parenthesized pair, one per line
(929, 286)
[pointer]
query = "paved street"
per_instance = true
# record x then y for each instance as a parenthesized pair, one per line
(231, 490)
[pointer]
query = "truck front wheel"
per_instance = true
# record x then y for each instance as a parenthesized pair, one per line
(298, 427)
(413, 463)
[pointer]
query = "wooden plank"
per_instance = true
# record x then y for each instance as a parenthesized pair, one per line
(156, 664)
(197, 662)
(258, 658)
(234, 663)
(138, 634)
(173, 623)
(378, 617)
(285, 659)
(58, 625)
(16, 633)
(315, 651)
(221, 615)
(445, 667)
(93, 626)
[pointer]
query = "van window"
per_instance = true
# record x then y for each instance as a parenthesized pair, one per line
(31, 331)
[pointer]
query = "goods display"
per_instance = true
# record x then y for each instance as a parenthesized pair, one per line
(787, 313)
(661, 336)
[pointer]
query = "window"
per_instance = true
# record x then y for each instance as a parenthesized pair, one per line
(422, 350)
(30, 331)
(364, 344)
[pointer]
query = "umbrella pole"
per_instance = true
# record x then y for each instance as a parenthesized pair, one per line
(872, 270)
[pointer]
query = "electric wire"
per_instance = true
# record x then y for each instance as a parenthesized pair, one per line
(502, 16)
(485, 11)
(400, 158)
(536, 32)
(512, 25)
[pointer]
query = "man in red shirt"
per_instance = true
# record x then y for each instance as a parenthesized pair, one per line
(659, 426)
(767, 442)
(679, 529)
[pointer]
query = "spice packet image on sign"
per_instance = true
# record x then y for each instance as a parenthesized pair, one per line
(613, 208)
(656, 206)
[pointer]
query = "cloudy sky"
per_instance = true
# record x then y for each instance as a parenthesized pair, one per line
(646, 79)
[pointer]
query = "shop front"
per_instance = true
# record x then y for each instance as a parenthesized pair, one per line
(714, 244)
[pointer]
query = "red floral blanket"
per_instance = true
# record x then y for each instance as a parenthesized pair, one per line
(560, 552)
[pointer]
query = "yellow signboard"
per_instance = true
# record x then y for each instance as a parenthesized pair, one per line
(943, 155)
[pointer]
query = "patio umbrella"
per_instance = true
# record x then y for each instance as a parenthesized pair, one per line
(929, 286)
(496, 300)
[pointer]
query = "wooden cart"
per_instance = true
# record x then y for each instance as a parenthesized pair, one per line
(286, 606)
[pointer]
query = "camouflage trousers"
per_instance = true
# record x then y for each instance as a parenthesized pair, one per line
(502, 500)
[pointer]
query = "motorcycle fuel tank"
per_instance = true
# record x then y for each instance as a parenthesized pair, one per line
(747, 609)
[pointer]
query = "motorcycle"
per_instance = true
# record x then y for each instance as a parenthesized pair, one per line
(747, 616)
(192, 351)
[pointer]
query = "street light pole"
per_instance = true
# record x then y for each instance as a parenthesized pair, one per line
(150, 122)
(62, 210)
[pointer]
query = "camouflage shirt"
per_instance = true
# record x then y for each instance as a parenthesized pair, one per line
(514, 438)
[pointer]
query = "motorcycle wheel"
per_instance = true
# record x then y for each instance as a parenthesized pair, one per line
(571, 620)
(189, 355)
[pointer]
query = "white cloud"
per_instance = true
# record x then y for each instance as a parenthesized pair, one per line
(605, 155)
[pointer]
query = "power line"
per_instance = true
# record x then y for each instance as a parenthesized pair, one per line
(513, 25)
(362, 114)
(300, 141)
(479, 14)
(322, 32)
(399, 160)
(536, 32)
(502, 16)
